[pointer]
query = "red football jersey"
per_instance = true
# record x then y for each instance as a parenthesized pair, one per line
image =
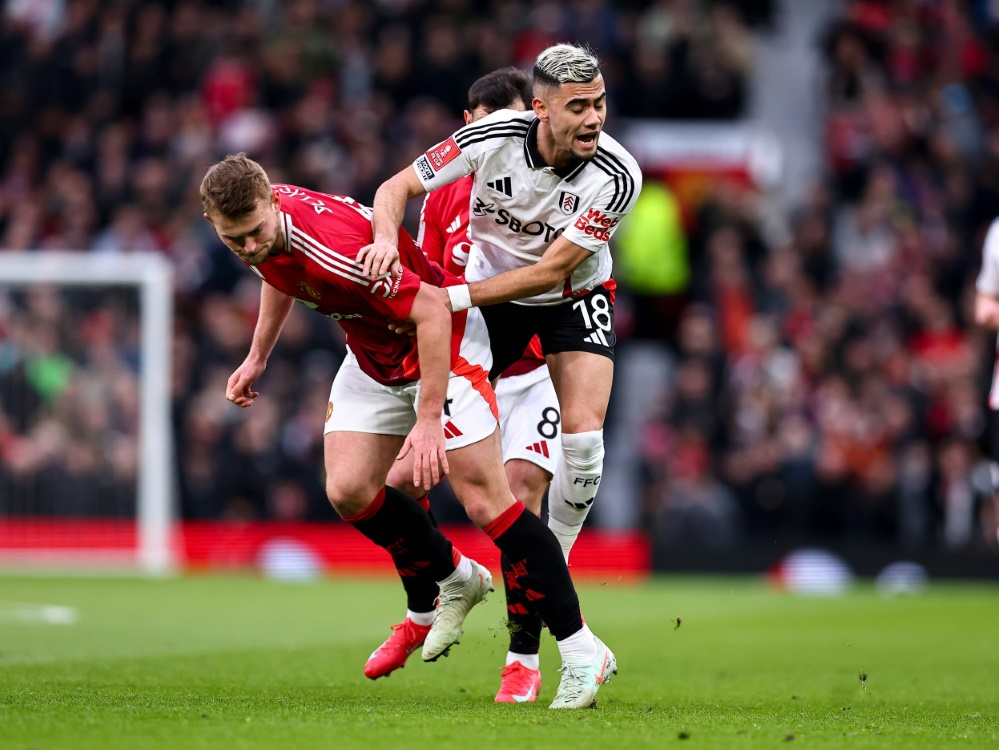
(443, 237)
(322, 236)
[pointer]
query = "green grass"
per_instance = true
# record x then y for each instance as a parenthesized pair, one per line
(247, 663)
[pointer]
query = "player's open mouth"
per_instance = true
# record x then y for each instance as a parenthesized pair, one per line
(588, 140)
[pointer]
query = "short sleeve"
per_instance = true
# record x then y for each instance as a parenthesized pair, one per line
(462, 153)
(444, 163)
(596, 223)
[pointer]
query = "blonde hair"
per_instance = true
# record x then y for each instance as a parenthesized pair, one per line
(233, 187)
(566, 63)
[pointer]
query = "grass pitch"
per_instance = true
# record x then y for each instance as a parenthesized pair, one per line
(248, 663)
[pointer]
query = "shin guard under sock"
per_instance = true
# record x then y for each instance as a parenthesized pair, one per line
(422, 555)
(574, 485)
(522, 619)
(537, 565)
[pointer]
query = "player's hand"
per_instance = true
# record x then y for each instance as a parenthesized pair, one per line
(445, 298)
(239, 389)
(426, 441)
(403, 327)
(379, 257)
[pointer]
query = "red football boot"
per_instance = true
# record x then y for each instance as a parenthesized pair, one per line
(407, 636)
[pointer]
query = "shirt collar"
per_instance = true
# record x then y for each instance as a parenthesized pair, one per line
(536, 161)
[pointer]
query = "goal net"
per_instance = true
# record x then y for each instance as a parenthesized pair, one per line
(85, 429)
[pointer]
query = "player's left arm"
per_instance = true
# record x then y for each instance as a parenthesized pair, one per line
(433, 343)
(557, 264)
(589, 233)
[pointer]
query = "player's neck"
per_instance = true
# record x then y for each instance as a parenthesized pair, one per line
(278, 247)
(553, 154)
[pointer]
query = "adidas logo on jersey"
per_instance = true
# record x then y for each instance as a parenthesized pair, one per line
(597, 337)
(541, 448)
(502, 185)
(455, 225)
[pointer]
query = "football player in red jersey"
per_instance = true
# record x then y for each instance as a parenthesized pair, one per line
(388, 400)
(529, 414)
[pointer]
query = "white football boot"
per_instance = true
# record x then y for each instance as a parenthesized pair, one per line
(581, 681)
(453, 605)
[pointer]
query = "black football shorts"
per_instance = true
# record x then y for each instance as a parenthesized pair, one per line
(585, 324)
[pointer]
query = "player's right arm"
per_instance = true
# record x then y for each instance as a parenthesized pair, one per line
(441, 165)
(382, 255)
(274, 309)
(987, 285)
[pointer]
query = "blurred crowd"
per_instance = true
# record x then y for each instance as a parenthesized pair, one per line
(826, 380)
(110, 112)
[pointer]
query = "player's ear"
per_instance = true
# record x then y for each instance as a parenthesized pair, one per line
(540, 109)
(208, 219)
(468, 117)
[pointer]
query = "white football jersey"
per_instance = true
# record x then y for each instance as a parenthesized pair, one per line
(988, 284)
(519, 204)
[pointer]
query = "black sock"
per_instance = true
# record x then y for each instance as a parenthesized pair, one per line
(522, 620)
(537, 565)
(422, 555)
(425, 504)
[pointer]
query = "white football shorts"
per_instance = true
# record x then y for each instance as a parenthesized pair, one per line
(530, 420)
(358, 403)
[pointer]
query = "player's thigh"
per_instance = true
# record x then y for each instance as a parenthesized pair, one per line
(356, 467)
(366, 424)
(585, 324)
(578, 341)
(583, 383)
(479, 480)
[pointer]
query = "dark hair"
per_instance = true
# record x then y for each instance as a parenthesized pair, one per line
(233, 187)
(499, 89)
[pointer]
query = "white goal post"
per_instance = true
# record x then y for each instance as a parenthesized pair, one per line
(152, 276)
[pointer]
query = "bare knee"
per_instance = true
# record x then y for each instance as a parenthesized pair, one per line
(483, 500)
(483, 509)
(401, 478)
(349, 500)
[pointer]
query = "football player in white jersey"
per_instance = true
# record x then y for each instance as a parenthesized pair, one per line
(550, 190)
(529, 417)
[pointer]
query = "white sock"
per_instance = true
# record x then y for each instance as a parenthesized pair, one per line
(574, 486)
(531, 661)
(462, 571)
(579, 647)
(421, 618)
